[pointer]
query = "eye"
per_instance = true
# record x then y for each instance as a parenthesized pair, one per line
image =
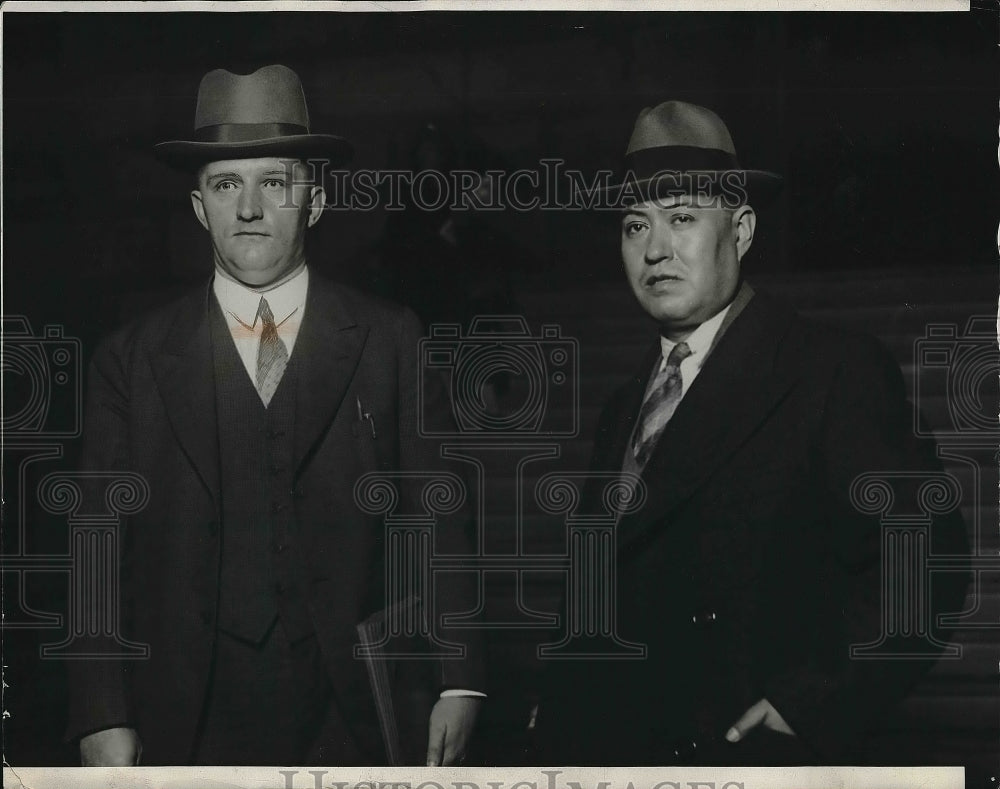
(632, 228)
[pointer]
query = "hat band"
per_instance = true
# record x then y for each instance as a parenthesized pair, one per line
(647, 162)
(247, 132)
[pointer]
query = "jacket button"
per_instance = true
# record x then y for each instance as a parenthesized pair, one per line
(685, 751)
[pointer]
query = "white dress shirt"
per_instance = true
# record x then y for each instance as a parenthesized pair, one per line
(700, 342)
(240, 305)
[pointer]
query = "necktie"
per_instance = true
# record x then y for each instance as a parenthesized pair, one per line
(660, 404)
(272, 355)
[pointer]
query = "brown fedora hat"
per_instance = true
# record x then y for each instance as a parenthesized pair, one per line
(249, 116)
(678, 147)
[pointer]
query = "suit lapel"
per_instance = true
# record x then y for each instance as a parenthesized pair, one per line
(630, 402)
(735, 391)
(328, 350)
(183, 369)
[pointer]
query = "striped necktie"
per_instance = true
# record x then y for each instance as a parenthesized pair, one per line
(660, 404)
(272, 355)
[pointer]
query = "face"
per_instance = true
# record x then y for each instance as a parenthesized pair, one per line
(257, 212)
(683, 260)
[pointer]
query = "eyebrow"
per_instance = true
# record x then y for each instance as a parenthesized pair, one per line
(212, 176)
(685, 202)
(277, 171)
(626, 212)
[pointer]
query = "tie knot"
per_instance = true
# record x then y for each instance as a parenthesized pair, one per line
(678, 354)
(264, 311)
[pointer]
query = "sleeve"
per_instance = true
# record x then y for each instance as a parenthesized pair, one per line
(97, 687)
(866, 428)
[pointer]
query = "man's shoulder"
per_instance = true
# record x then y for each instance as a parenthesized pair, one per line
(823, 343)
(366, 308)
(148, 325)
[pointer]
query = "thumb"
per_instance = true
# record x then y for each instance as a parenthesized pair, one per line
(435, 742)
(750, 719)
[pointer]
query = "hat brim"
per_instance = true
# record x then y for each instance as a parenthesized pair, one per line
(190, 155)
(734, 186)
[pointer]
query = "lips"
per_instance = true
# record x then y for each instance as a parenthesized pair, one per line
(657, 279)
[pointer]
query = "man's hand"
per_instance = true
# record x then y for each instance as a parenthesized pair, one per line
(119, 747)
(760, 713)
(452, 721)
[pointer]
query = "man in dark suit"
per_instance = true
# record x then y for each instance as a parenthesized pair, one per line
(251, 406)
(749, 571)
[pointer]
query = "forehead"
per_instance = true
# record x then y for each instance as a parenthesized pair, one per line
(695, 202)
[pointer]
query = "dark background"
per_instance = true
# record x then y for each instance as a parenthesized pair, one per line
(884, 126)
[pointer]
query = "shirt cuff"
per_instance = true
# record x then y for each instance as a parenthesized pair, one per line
(459, 693)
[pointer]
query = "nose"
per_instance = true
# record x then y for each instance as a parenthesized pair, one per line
(660, 246)
(249, 205)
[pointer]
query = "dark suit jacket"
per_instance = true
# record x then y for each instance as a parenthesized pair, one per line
(748, 573)
(151, 410)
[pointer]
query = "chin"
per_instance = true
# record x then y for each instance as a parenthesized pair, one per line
(253, 267)
(254, 277)
(668, 312)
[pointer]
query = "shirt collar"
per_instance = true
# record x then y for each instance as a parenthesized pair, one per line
(240, 303)
(700, 340)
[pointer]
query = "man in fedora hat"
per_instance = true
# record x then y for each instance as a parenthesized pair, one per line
(748, 573)
(251, 406)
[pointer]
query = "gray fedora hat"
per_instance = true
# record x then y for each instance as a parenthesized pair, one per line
(676, 146)
(249, 116)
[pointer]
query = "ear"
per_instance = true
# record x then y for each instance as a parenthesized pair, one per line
(199, 207)
(744, 224)
(317, 200)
